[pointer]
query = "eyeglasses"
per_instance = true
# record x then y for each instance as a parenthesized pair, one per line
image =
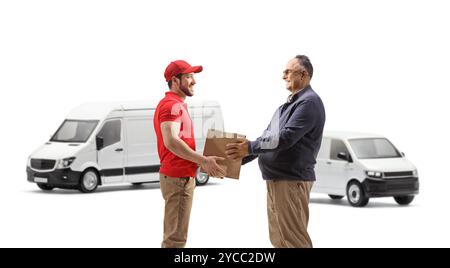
(289, 71)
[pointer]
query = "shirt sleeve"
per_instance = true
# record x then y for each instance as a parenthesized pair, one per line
(300, 123)
(248, 159)
(258, 140)
(171, 111)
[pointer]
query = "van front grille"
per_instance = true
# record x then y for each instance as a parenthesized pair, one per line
(42, 164)
(394, 185)
(398, 174)
(402, 185)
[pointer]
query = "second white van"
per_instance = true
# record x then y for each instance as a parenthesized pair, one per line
(111, 143)
(361, 166)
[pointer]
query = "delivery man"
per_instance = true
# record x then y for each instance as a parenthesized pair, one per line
(176, 149)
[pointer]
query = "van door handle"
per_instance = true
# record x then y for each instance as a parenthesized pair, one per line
(119, 150)
(328, 162)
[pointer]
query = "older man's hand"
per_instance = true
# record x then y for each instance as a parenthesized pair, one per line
(237, 151)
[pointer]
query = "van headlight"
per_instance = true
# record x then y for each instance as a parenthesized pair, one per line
(415, 173)
(29, 161)
(374, 174)
(65, 163)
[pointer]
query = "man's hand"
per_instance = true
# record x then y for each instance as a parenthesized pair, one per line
(210, 166)
(237, 151)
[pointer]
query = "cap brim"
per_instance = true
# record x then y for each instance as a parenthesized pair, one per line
(193, 69)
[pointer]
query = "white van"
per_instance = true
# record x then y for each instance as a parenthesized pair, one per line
(363, 166)
(111, 143)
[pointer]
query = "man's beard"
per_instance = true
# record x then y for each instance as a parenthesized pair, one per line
(186, 91)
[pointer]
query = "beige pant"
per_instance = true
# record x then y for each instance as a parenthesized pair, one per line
(178, 194)
(288, 212)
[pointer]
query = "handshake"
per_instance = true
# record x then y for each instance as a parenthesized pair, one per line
(223, 154)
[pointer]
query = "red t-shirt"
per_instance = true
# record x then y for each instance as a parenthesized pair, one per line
(172, 108)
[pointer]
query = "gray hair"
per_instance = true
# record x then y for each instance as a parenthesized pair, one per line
(306, 63)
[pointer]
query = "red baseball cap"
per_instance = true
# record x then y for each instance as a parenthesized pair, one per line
(180, 67)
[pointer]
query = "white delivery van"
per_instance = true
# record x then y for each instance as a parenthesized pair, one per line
(362, 166)
(111, 143)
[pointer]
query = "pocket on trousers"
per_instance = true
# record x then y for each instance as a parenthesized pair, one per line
(172, 181)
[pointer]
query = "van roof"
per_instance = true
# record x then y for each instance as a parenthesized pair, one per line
(100, 110)
(349, 135)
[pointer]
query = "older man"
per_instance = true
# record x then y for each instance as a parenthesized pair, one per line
(287, 153)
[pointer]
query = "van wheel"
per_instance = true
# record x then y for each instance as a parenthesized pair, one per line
(201, 178)
(336, 197)
(45, 187)
(356, 195)
(404, 200)
(89, 181)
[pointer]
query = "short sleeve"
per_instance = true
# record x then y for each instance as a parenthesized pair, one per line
(171, 111)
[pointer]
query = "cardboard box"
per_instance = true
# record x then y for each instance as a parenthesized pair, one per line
(216, 142)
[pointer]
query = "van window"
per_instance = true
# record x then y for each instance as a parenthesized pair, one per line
(75, 131)
(337, 146)
(111, 132)
(374, 148)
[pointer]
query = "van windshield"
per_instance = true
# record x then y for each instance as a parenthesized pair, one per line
(75, 131)
(374, 148)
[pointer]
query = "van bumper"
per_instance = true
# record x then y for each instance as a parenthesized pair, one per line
(391, 187)
(61, 178)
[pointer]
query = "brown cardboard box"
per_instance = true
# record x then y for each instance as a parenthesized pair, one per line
(215, 145)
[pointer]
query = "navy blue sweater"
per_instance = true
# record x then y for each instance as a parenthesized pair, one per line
(288, 148)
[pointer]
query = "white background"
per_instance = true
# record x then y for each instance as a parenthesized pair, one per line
(380, 66)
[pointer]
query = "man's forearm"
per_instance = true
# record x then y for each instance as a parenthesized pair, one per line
(182, 150)
(248, 159)
(281, 141)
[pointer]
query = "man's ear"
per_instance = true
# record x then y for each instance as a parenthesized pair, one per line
(304, 73)
(175, 80)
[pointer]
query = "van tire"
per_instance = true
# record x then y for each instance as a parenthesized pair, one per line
(45, 187)
(356, 195)
(404, 200)
(336, 197)
(89, 181)
(201, 178)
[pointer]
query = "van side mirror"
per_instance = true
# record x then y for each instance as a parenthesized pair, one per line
(99, 142)
(344, 156)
